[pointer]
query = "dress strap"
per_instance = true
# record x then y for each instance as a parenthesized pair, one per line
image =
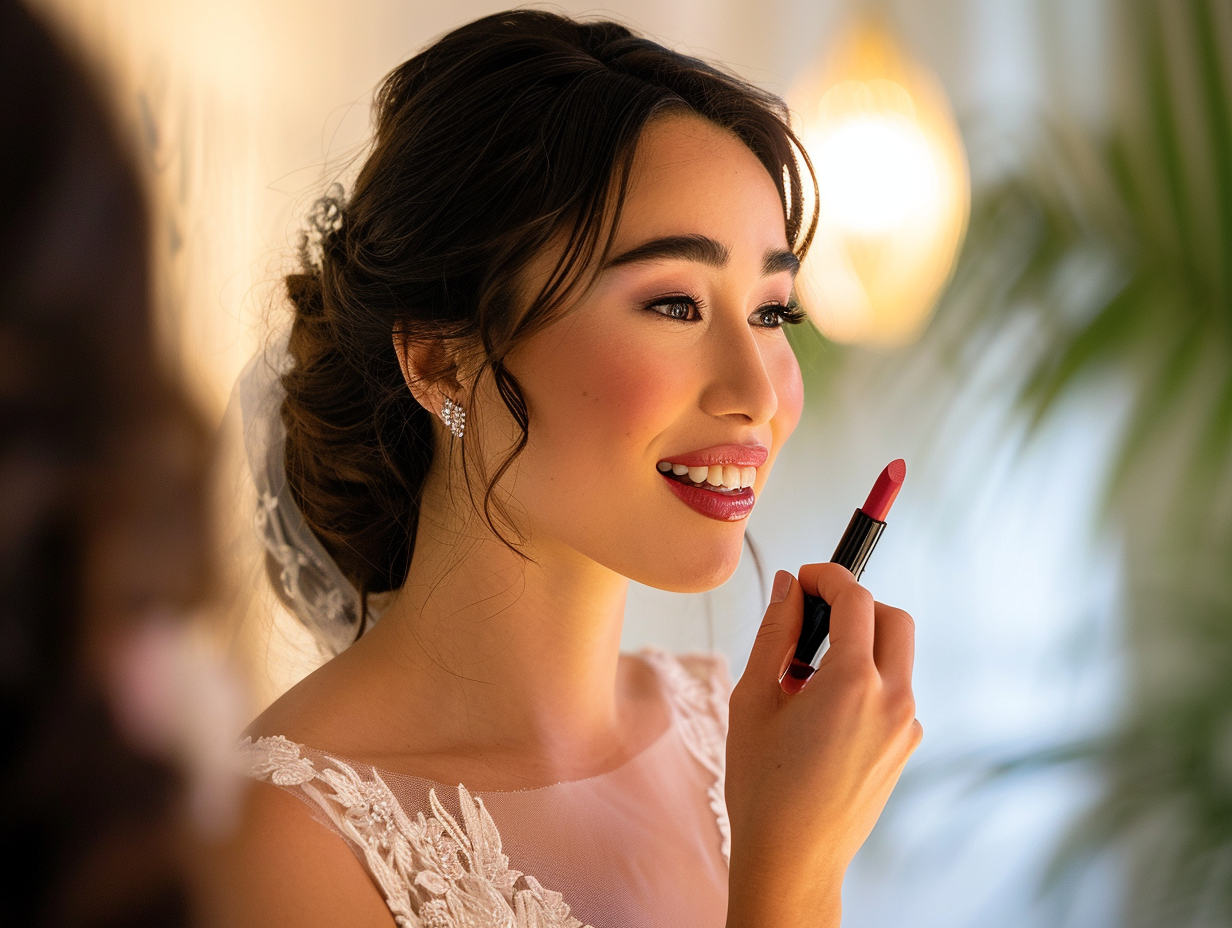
(433, 870)
(698, 688)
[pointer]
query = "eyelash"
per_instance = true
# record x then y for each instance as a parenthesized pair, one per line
(789, 314)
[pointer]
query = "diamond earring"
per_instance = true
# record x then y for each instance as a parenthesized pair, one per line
(454, 417)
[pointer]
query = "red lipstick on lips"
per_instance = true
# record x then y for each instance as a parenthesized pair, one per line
(853, 552)
(724, 506)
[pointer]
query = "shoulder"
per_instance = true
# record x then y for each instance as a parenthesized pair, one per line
(334, 708)
(709, 667)
(305, 711)
(692, 672)
(698, 688)
(282, 867)
(430, 868)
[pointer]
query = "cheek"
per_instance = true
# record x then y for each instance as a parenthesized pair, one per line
(784, 371)
(632, 397)
(598, 399)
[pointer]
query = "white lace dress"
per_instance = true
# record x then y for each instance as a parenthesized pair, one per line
(645, 844)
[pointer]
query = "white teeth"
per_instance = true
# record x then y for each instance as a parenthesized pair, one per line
(727, 476)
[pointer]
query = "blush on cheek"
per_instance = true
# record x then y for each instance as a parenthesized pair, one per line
(633, 407)
(629, 397)
(789, 386)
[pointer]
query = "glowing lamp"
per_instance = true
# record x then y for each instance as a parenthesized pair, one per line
(893, 186)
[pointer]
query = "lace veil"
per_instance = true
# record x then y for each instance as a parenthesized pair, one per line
(308, 581)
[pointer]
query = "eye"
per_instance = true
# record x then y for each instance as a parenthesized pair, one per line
(776, 315)
(681, 308)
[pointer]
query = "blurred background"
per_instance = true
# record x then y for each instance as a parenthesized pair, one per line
(1021, 284)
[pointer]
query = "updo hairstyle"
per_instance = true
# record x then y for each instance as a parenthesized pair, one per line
(509, 134)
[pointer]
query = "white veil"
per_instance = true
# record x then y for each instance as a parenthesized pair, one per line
(310, 584)
(293, 606)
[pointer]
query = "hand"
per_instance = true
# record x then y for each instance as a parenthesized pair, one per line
(808, 774)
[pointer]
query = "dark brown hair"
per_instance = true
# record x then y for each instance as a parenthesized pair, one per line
(509, 134)
(102, 507)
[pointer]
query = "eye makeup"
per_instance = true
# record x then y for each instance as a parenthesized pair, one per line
(789, 313)
(674, 300)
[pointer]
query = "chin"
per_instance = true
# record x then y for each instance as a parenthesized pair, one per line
(698, 573)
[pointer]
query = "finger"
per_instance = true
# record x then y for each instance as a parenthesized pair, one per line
(851, 608)
(779, 631)
(893, 644)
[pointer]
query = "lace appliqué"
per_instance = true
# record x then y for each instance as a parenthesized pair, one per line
(433, 871)
(699, 692)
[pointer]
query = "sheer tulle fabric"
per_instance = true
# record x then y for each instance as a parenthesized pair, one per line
(645, 844)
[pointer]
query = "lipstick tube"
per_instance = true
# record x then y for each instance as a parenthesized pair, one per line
(853, 552)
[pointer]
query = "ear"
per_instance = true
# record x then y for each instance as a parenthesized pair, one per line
(430, 371)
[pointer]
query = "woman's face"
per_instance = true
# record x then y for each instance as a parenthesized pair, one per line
(675, 356)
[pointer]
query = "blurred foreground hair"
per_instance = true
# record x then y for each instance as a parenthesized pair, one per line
(102, 519)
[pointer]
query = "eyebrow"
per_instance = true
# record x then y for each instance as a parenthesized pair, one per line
(699, 248)
(703, 250)
(777, 260)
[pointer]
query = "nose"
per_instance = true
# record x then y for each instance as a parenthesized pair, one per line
(738, 386)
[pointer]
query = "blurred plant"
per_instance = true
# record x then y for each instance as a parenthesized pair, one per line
(1112, 257)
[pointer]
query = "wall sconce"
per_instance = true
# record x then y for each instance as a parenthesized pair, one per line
(893, 184)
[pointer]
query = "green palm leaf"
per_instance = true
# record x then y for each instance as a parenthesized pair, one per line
(1117, 252)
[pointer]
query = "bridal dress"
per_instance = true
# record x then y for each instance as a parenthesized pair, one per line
(641, 846)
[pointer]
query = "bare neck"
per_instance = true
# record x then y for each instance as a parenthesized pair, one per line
(501, 656)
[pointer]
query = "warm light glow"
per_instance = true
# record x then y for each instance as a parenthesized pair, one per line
(875, 173)
(893, 188)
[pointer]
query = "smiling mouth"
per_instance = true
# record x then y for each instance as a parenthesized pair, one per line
(723, 479)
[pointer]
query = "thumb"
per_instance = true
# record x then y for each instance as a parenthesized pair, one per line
(780, 628)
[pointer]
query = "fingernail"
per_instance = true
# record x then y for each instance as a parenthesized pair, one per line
(782, 586)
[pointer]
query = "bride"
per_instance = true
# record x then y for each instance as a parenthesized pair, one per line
(541, 353)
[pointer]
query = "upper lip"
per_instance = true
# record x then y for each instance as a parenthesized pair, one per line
(736, 455)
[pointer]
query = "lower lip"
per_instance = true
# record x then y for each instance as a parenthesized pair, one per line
(718, 506)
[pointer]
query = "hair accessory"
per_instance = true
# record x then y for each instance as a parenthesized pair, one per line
(322, 221)
(454, 417)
